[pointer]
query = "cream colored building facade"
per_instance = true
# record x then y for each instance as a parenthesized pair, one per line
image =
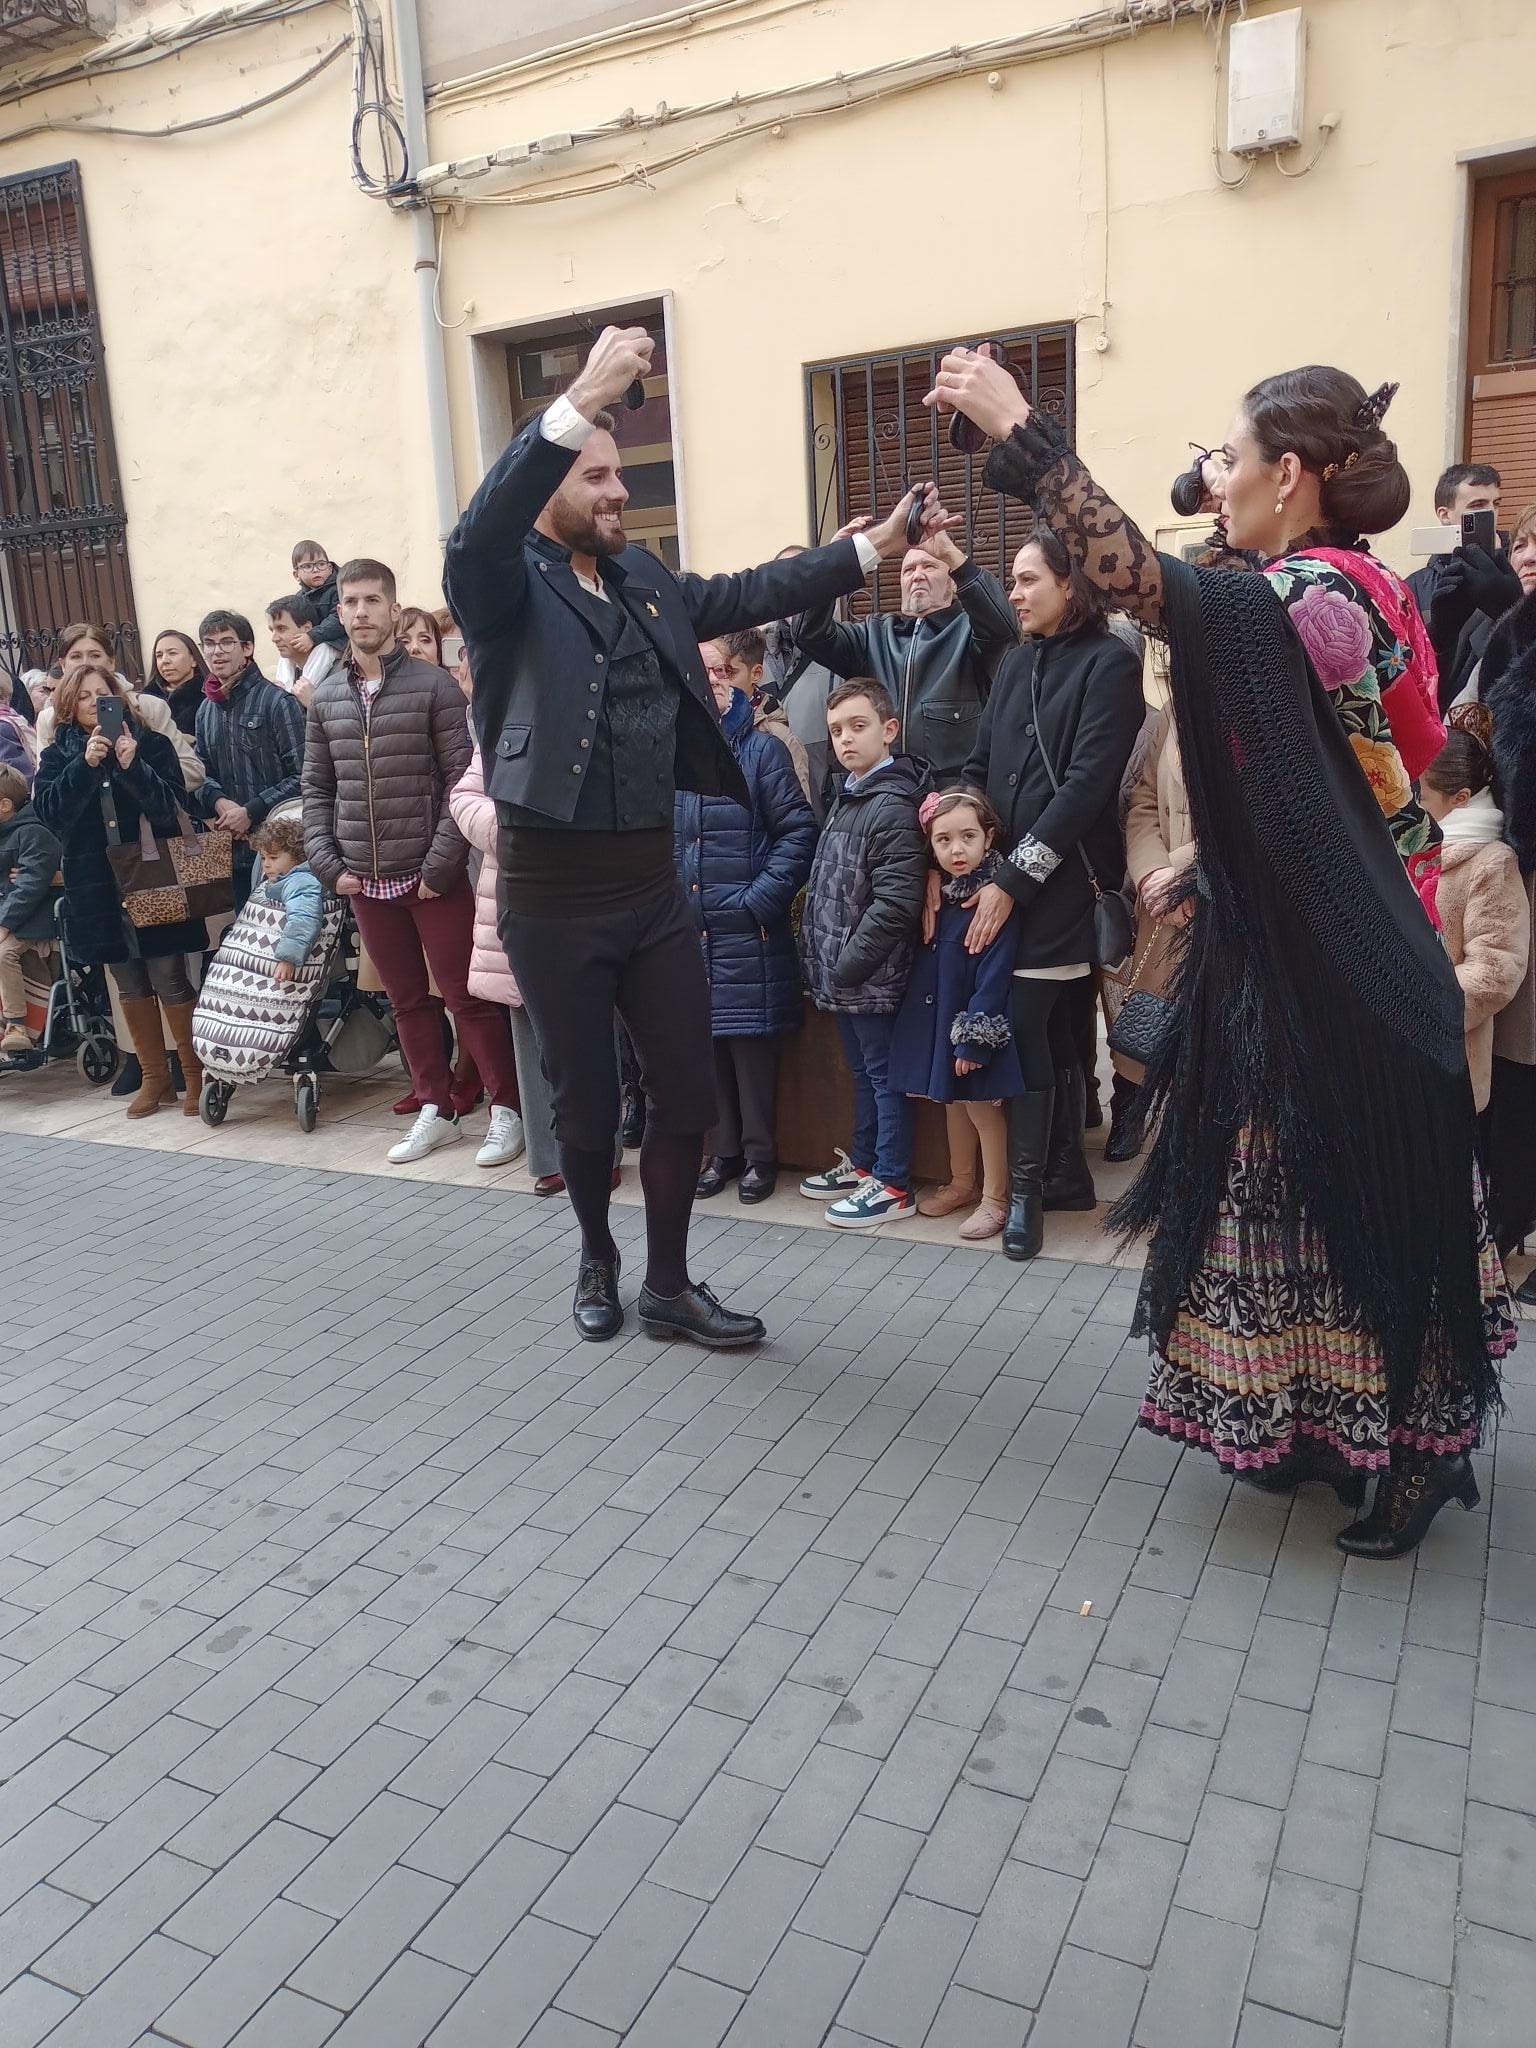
(776, 185)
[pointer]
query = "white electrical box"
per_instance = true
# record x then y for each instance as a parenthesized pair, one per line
(1266, 78)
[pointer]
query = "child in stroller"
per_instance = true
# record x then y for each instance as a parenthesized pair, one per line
(290, 884)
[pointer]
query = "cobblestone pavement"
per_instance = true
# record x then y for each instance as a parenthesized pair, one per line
(380, 1667)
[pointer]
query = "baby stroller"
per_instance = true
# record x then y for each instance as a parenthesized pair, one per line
(247, 1026)
(77, 1018)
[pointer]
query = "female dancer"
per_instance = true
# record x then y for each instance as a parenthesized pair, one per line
(1321, 1290)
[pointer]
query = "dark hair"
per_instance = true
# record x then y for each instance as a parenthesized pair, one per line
(1312, 413)
(413, 615)
(748, 645)
(299, 606)
(986, 811)
(199, 666)
(280, 835)
(1451, 480)
(362, 569)
(1462, 763)
(1087, 606)
(308, 551)
(228, 622)
(14, 786)
(66, 698)
(876, 695)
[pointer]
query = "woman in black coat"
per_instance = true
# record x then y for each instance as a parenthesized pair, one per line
(142, 776)
(1081, 686)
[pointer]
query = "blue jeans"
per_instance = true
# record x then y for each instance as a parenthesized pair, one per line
(882, 1117)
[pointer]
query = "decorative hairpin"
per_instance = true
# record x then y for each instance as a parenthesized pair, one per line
(1334, 468)
(1475, 720)
(1373, 410)
(926, 809)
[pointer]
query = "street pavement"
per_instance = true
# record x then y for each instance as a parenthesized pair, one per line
(380, 1666)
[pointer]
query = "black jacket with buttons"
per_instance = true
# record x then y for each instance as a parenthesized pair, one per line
(938, 668)
(1091, 708)
(537, 656)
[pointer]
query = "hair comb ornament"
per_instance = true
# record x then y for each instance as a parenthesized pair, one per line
(1373, 410)
(1337, 468)
(1475, 720)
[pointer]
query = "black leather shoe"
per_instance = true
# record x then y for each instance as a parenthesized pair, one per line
(1408, 1498)
(718, 1173)
(697, 1314)
(596, 1309)
(1297, 1467)
(758, 1183)
(1126, 1134)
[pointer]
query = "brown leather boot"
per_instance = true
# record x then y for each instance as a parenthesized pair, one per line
(143, 1015)
(179, 1016)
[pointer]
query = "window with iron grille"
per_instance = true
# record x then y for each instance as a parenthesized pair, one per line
(871, 435)
(1514, 281)
(63, 532)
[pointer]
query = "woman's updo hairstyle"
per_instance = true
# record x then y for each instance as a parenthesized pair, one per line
(1329, 420)
(1466, 759)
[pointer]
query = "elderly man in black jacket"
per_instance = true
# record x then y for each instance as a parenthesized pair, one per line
(936, 656)
(592, 707)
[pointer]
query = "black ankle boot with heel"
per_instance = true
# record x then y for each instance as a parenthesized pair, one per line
(1408, 1498)
(1029, 1139)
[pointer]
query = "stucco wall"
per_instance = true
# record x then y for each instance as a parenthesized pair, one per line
(259, 312)
(258, 319)
(962, 208)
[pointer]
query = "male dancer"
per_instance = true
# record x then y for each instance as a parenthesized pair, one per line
(592, 708)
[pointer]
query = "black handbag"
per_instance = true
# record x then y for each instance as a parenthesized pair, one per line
(1145, 1025)
(1113, 932)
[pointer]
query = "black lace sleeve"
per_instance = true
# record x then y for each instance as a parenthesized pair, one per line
(1036, 464)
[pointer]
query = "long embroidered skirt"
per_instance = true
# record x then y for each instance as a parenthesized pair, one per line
(1263, 1351)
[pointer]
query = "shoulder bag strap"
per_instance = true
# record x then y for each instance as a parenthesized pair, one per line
(1034, 707)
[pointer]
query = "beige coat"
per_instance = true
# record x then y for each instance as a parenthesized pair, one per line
(155, 714)
(777, 724)
(1486, 917)
(1158, 833)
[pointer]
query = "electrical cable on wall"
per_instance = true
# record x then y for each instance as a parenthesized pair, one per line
(175, 128)
(153, 46)
(371, 98)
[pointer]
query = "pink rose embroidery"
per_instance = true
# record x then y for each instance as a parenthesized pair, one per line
(1336, 634)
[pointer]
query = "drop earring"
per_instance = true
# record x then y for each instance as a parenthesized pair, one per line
(1279, 507)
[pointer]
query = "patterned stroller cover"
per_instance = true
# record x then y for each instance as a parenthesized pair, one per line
(246, 1024)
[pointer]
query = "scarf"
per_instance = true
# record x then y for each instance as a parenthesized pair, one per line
(1314, 1004)
(1412, 700)
(1478, 823)
(961, 888)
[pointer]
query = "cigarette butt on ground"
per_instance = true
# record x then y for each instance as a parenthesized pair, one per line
(1086, 1608)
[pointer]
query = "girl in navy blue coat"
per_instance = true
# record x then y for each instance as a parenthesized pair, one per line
(740, 870)
(953, 1041)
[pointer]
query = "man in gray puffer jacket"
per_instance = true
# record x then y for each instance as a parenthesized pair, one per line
(388, 737)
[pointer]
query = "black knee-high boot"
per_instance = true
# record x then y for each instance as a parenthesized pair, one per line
(1029, 1138)
(1068, 1178)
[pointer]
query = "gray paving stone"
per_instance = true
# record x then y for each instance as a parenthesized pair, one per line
(111, 1931)
(1195, 1993)
(1125, 1902)
(1306, 1938)
(288, 2021)
(904, 1978)
(1166, 1783)
(1327, 1830)
(213, 2010)
(1494, 1988)
(615, 1979)
(1259, 1752)
(31, 2008)
(228, 1903)
(403, 2007)
(701, 1855)
(1226, 1872)
(796, 1996)
(1106, 1720)
(1389, 2011)
(808, 1819)
(1198, 1688)
(1407, 1911)
(783, 1734)
(468, 1929)
(122, 2009)
(360, 1854)
(960, 1860)
(1013, 1950)
(1091, 1998)
(1423, 1793)
(355, 1954)
(1067, 1816)
(685, 2009)
(966, 2019)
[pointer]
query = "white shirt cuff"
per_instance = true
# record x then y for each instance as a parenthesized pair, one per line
(564, 425)
(869, 554)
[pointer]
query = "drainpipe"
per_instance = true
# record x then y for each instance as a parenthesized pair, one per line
(434, 364)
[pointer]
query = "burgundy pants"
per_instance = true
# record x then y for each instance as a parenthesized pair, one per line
(404, 939)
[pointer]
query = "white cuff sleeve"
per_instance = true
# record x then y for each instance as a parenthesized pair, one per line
(869, 554)
(565, 426)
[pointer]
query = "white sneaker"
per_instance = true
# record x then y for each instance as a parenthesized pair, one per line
(504, 1140)
(425, 1135)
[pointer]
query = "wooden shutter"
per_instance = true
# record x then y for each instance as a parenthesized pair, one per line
(1501, 355)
